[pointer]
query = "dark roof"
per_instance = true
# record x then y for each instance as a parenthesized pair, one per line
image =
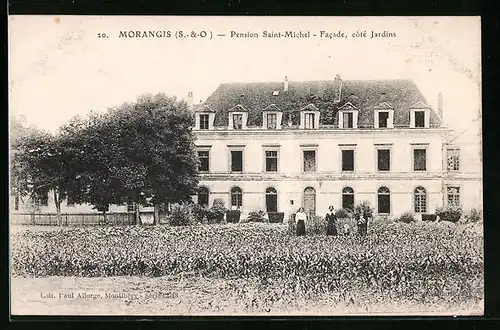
(366, 95)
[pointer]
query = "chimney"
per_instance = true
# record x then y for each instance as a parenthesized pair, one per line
(383, 97)
(285, 84)
(440, 105)
(337, 82)
(190, 100)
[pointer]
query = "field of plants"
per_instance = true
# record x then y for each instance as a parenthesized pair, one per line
(423, 264)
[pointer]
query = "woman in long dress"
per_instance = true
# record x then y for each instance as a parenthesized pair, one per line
(300, 221)
(331, 222)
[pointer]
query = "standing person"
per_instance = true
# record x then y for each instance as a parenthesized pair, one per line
(300, 221)
(363, 224)
(331, 222)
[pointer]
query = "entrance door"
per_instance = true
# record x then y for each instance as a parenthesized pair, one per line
(271, 200)
(310, 201)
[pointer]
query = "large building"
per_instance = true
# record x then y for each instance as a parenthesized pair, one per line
(277, 146)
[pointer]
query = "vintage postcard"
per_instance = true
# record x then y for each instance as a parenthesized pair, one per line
(175, 166)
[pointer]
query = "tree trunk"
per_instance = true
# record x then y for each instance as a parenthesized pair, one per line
(57, 201)
(105, 216)
(156, 217)
(137, 215)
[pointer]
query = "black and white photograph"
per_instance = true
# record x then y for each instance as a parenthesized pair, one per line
(245, 166)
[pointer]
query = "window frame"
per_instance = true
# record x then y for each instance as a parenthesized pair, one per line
(447, 196)
(207, 149)
(448, 149)
(418, 147)
(308, 114)
(345, 147)
(275, 193)
(232, 148)
(384, 146)
(276, 149)
(200, 121)
(390, 118)
(384, 194)
(426, 199)
(313, 147)
(426, 117)
(342, 194)
(231, 198)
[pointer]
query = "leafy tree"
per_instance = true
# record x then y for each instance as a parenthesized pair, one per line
(142, 152)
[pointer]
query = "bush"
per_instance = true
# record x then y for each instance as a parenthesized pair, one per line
(215, 214)
(181, 215)
(315, 225)
(407, 217)
(233, 216)
(258, 216)
(451, 213)
(364, 209)
(474, 215)
(429, 217)
(276, 217)
(344, 213)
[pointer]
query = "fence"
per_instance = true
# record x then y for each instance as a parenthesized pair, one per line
(72, 219)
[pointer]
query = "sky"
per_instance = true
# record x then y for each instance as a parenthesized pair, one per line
(59, 68)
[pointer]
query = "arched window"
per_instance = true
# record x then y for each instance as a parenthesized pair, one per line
(203, 195)
(348, 198)
(310, 200)
(420, 200)
(271, 200)
(384, 200)
(236, 198)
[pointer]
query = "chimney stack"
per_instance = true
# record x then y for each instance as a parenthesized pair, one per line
(285, 84)
(190, 100)
(440, 105)
(337, 82)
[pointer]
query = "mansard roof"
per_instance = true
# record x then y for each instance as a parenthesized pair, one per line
(365, 95)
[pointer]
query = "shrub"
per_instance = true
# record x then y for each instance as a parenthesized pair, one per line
(451, 213)
(407, 217)
(315, 225)
(344, 213)
(429, 217)
(233, 216)
(276, 217)
(474, 215)
(181, 215)
(216, 213)
(364, 209)
(200, 213)
(256, 216)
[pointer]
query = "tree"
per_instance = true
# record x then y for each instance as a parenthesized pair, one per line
(35, 163)
(140, 152)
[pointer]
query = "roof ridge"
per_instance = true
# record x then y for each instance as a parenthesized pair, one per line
(315, 81)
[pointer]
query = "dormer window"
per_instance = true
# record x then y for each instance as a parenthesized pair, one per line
(384, 116)
(237, 121)
(348, 116)
(238, 117)
(309, 117)
(204, 121)
(204, 118)
(419, 115)
(271, 117)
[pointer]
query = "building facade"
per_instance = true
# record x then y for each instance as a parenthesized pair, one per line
(279, 146)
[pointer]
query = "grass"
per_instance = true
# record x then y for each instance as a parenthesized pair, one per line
(450, 282)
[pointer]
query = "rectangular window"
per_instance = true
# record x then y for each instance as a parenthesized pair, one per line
(453, 195)
(347, 160)
(309, 120)
(271, 161)
(383, 159)
(419, 118)
(383, 118)
(309, 160)
(419, 160)
(204, 164)
(348, 118)
(236, 161)
(453, 159)
(237, 121)
(271, 121)
(203, 121)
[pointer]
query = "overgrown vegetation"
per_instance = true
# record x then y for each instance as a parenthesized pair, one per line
(449, 212)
